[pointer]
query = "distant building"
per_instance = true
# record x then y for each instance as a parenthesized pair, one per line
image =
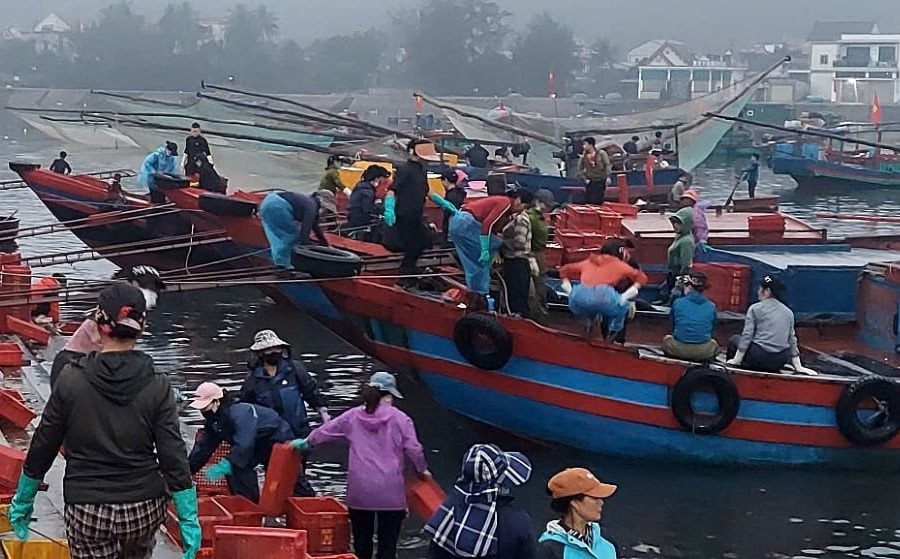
(212, 30)
(51, 34)
(672, 72)
(852, 62)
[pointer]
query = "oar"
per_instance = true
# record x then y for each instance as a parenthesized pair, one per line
(733, 190)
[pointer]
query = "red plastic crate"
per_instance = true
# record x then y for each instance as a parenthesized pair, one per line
(27, 329)
(15, 411)
(281, 476)
(325, 520)
(205, 553)
(773, 223)
(611, 224)
(583, 218)
(424, 497)
(15, 394)
(243, 510)
(10, 258)
(241, 542)
(625, 210)
(341, 556)
(729, 285)
(11, 461)
(211, 515)
(554, 256)
(205, 486)
(10, 352)
(594, 241)
(570, 241)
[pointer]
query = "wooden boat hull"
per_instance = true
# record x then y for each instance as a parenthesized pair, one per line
(813, 174)
(592, 396)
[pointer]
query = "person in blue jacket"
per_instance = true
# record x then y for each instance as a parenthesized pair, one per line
(251, 431)
(578, 498)
(361, 206)
(693, 322)
(280, 213)
(163, 160)
(278, 382)
(751, 175)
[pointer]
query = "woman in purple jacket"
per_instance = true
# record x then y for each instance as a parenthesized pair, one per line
(382, 439)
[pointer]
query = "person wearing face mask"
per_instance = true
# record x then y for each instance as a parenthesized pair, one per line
(251, 430)
(118, 419)
(278, 382)
(578, 499)
(361, 211)
(160, 161)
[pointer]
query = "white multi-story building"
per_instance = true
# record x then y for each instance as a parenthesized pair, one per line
(851, 62)
(674, 73)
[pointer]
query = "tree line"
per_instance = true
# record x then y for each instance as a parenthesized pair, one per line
(447, 47)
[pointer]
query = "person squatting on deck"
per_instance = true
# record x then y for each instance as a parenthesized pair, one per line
(209, 179)
(251, 430)
(47, 314)
(578, 499)
(117, 417)
(693, 322)
(516, 253)
(160, 161)
(362, 207)
(595, 297)
(768, 342)
(287, 219)
(87, 338)
(478, 518)
(195, 146)
(404, 208)
(278, 382)
(594, 167)
(382, 441)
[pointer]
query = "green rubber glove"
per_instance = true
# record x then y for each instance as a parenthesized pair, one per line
(390, 205)
(485, 241)
(443, 203)
(188, 511)
(22, 506)
(218, 471)
(300, 445)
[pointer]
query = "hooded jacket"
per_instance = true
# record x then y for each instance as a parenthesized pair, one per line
(361, 206)
(693, 318)
(118, 420)
(380, 445)
(156, 162)
(515, 538)
(681, 251)
(286, 392)
(556, 543)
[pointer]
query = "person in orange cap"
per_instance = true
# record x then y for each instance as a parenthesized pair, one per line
(691, 199)
(578, 498)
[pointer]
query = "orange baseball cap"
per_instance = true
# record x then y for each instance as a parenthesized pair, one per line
(579, 481)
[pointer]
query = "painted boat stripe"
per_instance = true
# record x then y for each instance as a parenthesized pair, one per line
(619, 389)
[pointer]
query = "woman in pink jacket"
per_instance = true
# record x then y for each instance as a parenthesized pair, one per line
(382, 440)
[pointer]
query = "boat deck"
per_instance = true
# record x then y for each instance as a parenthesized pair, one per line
(832, 256)
(722, 228)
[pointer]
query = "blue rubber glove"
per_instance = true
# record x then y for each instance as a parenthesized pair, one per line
(300, 445)
(188, 511)
(485, 241)
(22, 506)
(704, 246)
(443, 203)
(218, 471)
(390, 204)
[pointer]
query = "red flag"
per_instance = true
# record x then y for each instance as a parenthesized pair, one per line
(875, 117)
(420, 104)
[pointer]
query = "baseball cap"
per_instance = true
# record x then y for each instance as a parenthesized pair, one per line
(205, 394)
(386, 383)
(122, 305)
(578, 481)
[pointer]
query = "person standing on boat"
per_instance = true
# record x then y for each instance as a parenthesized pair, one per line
(477, 156)
(160, 161)
(682, 183)
(331, 180)
(751, 175)
(455, 193)
(195, 145)
(404, 209)
(690, 198)
(60, 165)
(680, 256)
(631, 146)
(283, 384)
(540, 234)
(594, 168)
(280, 213)
(117, 417)
(516, 253)
(115, 196)
(479, 518)
(595, 297)
(251, 430)
(382, 441)
(693, 323)
(768, 342)
(578, 498)
(361, 208)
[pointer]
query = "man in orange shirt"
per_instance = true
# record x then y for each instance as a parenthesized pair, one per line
(596, 296)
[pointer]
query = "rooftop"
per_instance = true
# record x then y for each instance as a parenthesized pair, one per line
(824, 31)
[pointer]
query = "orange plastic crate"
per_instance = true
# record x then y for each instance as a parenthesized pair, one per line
(11, 462)
(774, 223)
(244, 511)
(10, 352)
(211, 515)
(205, 486)
(610, 224)
(729, 285)
(241, 542)
(326, 521)
(284, 467)
(424, 497)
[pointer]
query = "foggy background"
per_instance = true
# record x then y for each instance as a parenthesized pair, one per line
(702, 24)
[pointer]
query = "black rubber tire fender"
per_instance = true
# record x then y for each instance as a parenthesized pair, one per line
(326, 262)
(474, 328)
(720, 381)
(886, 395)
(328, 254)
(221, 204)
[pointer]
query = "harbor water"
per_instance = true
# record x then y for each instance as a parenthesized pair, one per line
(661, 509)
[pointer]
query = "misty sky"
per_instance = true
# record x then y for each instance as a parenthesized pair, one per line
(702, 24)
